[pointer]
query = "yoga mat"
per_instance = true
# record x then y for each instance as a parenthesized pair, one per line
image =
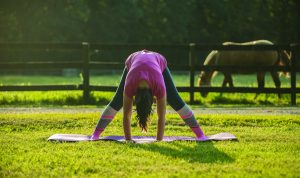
(138, 139)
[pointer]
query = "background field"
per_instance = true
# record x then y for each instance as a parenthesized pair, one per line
(268, 138)
(102, 98)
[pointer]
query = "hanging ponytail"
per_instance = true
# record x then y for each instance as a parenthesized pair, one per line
(144, 101)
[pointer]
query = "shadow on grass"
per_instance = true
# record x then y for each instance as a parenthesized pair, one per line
(227, 100)
(59, 101)
(262, 99)
(202, 152)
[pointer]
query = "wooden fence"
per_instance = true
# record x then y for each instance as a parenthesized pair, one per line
(86, 65)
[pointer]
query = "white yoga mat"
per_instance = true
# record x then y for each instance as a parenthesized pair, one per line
(138, 139)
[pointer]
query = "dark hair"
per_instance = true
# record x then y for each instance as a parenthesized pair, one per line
(144, 101)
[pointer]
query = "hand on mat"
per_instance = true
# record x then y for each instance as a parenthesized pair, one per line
(202, 138)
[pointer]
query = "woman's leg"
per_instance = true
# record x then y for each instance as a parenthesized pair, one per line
(176, 102)
(111, 109)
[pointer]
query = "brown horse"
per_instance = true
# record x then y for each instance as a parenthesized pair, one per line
(243, 59)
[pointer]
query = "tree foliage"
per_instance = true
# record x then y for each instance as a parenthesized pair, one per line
(150, 21)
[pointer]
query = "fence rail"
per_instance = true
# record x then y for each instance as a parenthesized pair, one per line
(85, 65)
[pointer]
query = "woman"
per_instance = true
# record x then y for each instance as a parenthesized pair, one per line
(146, 75)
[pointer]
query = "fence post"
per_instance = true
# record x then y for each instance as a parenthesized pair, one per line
(192, 70)
(293, 73)
(86, 73)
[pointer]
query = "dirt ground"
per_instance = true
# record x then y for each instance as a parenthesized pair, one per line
(197, 110)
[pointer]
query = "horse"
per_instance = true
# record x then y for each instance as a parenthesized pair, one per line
(243, 59)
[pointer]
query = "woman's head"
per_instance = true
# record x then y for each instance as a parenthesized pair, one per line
(144, 101)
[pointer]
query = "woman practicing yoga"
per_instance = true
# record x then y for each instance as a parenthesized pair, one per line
(146, 75)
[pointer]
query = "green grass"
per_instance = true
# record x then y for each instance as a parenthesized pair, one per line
(180, 79)
(37, 98)
(268, 146)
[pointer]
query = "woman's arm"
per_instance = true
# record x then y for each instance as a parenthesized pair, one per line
(127, 111)
(161, 113)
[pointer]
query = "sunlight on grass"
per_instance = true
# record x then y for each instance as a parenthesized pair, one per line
(102, 98)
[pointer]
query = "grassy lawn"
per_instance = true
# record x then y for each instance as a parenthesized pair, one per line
(180, 79)
(268, 146)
